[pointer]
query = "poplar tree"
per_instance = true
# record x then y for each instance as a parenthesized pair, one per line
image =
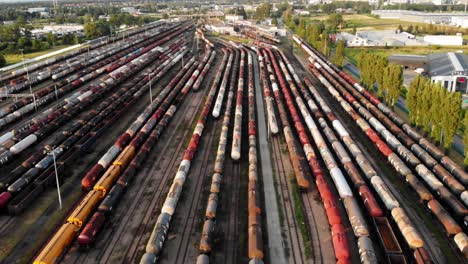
(338, 57)
(451, 118)
(436, 116)
(361, 65)
(412, 98)
(386, 82)
(424, 104)
(325, 44)
(380, 64)
(371, 71)
(393, 89)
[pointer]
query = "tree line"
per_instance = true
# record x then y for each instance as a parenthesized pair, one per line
(17, 36)
(433, 108)
(432, 29)
(314, 32)
(378, 75)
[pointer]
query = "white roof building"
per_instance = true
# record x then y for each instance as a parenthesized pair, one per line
(450, 70)
(460, 22)
(443, 40)
(221, 29)
(234, 17)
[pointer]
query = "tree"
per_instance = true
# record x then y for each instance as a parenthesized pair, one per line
(313, 32)
(451, 117)
(2, 61)
(378, 70)
(274, 21)
(335, 21)
(338, 57)
(287, 16)
(67, 39)
(76, 40)
(400, 28)
(263, 11)
(412, 98)
(51, 38)
(409, 29)
(103, 28)
(90, 30)
(166, 16)
(465, 137)
(425, 105)
(301, 28)
(36, 44)
(436, 113)
(392, 83)
(325, 44)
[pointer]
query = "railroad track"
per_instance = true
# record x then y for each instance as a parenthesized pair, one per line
(73, 89)
(296, 248)
(231, 230)
(308, 199)
(144, 201)
(198, 177)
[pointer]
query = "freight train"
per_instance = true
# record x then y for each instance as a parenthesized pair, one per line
(353, 98)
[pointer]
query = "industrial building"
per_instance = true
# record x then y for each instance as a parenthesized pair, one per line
(221, 28)
(375, 38)
(423, 17)
(392, 38)
(444, 40)
(59, 30)
(449, 69)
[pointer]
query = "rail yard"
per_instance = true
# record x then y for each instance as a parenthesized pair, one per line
(170, 145)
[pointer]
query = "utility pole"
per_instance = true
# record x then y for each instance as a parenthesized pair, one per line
(52, 152)
(29, 81)
(150, 76)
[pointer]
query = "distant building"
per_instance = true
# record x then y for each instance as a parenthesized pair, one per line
(301, 12)
(423, 17)
(43, 11)
(449, 69)
(409, 61)
(380, 38)
(392, 38)
(130, 9)
(393, 2)
(37, 9)
(234, 17)
(221, 29)
(460, 22)
(59, 30)
(444, 40)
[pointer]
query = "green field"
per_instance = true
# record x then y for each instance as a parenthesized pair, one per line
(368, 22)
(15, 58)
(353, 53)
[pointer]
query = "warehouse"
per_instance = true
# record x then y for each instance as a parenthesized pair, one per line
(449, 69)
(423, 17)
(444, 40)
(408, 61)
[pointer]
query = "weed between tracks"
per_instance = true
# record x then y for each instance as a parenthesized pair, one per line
(299, 213)
(275, 183)
(243, 213)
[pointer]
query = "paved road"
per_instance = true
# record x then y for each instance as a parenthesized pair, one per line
(457, 144)
(275, 240)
